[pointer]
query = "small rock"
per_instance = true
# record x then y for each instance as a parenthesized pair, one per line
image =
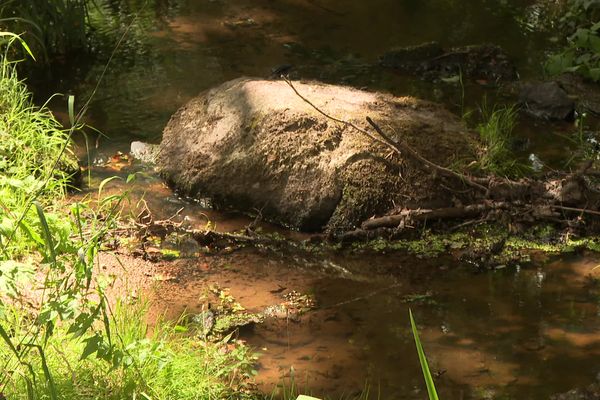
(144, 152)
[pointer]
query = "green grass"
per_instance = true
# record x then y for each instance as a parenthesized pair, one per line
(50, 26)
(496, 134)
(162, 365)
(431, 391)
(36, 162)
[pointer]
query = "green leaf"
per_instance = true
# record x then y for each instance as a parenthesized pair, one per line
(594, 74)
(92, 345)
(49, 379)
(581, 37)
(23, 43)
(83, 322)
(46, 231)
(423, 360)
(180, 328)
(584, 58)
(71, 107)
(304, 397)
(105, 181)
(6, 338)
(593, 43)
(558, 63)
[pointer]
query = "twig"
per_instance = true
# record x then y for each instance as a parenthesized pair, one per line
(468, 223)
(374, 293)
(400, 147)
(341, 121)
(581, 210)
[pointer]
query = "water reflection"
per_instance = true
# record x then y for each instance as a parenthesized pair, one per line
(174, 49)
(502, 334)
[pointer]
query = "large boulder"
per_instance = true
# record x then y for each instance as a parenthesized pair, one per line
(256, 145)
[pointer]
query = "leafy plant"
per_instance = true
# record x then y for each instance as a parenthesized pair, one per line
(37, 243)
(36, 163)
(581, 52)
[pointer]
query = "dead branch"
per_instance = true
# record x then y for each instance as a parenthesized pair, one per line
(406, 216)
(579, 210)
(341, 121)
(400, 147)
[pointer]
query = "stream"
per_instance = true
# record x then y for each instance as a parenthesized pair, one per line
(522, 332)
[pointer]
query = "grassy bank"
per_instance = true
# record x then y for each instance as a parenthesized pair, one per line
(160, 365)
(61, 337)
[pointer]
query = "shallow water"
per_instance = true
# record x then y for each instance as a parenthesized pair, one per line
(523, 332)
(175, 49)
(520, 332)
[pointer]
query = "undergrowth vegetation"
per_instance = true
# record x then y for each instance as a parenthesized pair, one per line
(50, 27)
(496, 135)
(36, 163)
(158, 365)
(60, 335)
(579, 22)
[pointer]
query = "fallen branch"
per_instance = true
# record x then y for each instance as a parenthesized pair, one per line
(579, 210)
(400, 147)
(407, 216)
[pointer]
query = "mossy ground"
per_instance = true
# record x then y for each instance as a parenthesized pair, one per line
(517, 247)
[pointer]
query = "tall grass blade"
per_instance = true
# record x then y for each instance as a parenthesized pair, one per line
(6, 338)
(47, 374)
(14, 36)
(46, 230)
(71, 106)
(423, 360)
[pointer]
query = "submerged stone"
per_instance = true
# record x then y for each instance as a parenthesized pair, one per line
(255, 145)
(547, 100)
